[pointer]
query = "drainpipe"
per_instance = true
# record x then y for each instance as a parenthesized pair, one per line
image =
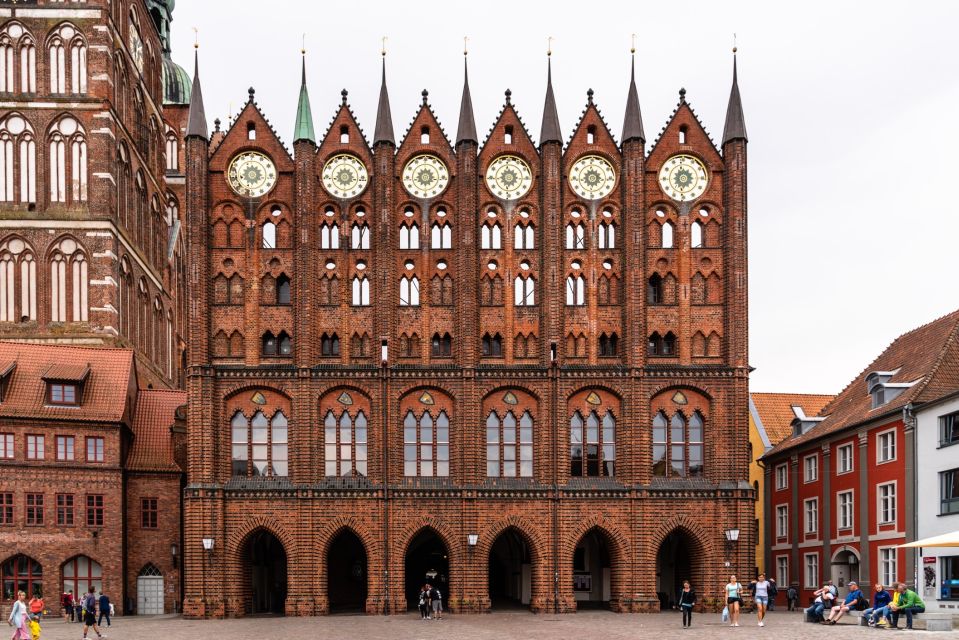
(910, 425)
(384, 409)
(554, 384)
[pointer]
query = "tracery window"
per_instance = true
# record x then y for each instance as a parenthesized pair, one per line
(409, 236)
(410, 292)
(359, 236)
(21, 573)
(524, 291)
(607, 235)
(575, 291)
(345, 443)
(18, 160)
(361, 291)
(18, 281)
(68, 282)
(678, 445)
(491, 236)
(330, 236)
(14, 37)
(509, 445)
(575, 236)
(592, 443)
(260, 444)
(426, 444)
(441, 236)
(68, 146)
(524, 236)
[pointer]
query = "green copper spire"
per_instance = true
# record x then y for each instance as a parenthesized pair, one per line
(304, 116)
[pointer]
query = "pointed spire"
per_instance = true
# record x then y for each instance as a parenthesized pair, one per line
(196, 123)
(303, 129)
(384, 119)
(735, 122)
(466, 131)
(550, 131)
(633, 124)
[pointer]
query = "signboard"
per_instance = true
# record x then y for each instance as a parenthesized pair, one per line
(929, 559)
(582, 582)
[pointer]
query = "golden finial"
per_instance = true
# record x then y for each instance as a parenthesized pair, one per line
(383, 48)
(196, 38)
(465, 48)
(734, 43)
(632, 48)
(549, 46)
(303, 48)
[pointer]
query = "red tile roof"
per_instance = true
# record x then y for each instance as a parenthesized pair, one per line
(67, 372)
(104, 394)
(776, 411)
(927, 356)
(152, 441)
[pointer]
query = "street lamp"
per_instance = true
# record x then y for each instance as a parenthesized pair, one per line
(208, 545)
(472, 539)
(173, 552)
(732, 536)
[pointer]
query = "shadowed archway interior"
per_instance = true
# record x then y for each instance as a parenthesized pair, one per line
(510, 571)
(679, 558)
(266, 573)
(592, 570)
(346, 573)
(427, 561)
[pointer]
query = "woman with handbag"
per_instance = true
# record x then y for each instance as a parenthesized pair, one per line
(734, 599)
(687, 600)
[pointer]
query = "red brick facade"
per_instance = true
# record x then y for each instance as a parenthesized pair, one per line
(401, 452)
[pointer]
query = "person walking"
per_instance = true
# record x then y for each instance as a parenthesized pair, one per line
(436, 601)
(104, 609)
(909, 603)
(792, 598)
(36, 606)
(18, 618)
(773, 592)
(89, 613)
(734, 599)
(687, 600)
(66, 601)
(424, 602)
(761, 588)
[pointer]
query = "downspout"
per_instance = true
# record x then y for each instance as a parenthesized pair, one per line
(384, 408)
(910, 426)
(554, 384)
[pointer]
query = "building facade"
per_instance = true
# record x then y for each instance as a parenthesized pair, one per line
(92, 276)
(516, 370)
(937, 500)
(840, 492)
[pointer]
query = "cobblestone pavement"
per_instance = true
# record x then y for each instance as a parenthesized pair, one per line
(496, 626)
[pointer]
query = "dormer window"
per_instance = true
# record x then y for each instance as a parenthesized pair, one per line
(6, 371)
(65, 384)
(882, 390)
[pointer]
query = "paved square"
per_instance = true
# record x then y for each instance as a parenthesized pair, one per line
(496, 626)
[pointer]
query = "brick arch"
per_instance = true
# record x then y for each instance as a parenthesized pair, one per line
(238, 538)
(443, 530)
(687, 525)
(238, 590)
(534, 537)
(335, 527)
(431, 386)
(619, 549)
(597, 387)
(509, 387)
(252, 386)
(669, 386)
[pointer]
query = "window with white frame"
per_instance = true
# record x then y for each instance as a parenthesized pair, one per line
(844, 458)
(844, 505)
(782, 476)
(888, 565)
(886, 496)
(811, 468)
(812, 570)
(782, 570)
(812, 515)
(782, 520)
(886, 446)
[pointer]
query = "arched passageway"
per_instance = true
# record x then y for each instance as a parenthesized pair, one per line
(510, 570)
(346, 573)
(592, 570)
(265, 565)
(679, 558)
(427, 561)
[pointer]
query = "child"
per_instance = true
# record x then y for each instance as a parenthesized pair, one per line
(34, 625)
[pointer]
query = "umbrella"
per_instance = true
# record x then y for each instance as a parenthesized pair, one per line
(945, 540)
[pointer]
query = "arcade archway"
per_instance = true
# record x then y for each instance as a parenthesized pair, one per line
(346, 573)
(679, 558)
(510, 570)
(592, 570)
(266, 572)
(427, 561)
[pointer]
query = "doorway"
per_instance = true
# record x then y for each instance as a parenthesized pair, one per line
(510, 571)
(592, 573)
(346, 577)
(427, 561)
(675, 563)
(845, 567)
(266, 559)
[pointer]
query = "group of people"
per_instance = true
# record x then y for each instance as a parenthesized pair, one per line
(430, 603)
(76, 610)
(25, 618)
(884, 612)
(764, 591)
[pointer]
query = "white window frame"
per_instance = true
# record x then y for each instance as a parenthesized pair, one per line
(782, 520)
(840, 523)
(814, 520)
(782, 476)
(882, 509)
(879, 448)
(806, 468)
(811, 570)
(888, 564)
(782, 570)
(852, 463)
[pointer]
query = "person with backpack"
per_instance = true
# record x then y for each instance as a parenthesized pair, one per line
(436, 600)
(104, 609)
(773, 592)
(687, 600)
(761, 597)
(89, 613)
(424, 602)
(792, 598)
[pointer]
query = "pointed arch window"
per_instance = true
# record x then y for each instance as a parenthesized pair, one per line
(330, 345)
(269, 235)
(277, 345)
(410, 292)
(575, 291)
(696, 235)
(608, 345)
(524, 291)
(68, 282)
(654, 289)
(260, 445)
(492, 345)
(592, 444)
(410, 236)
(56, 62)
(283, 289)
(28, 66)
(68, 156)
(80, 574)
(509, 445)
(18, 160)
(13, 37)
(359, 236)
(441, 346)
(172, 152)
(524, 236)
(491, 291)
(607, 235)
(345, 443)
(21, 573)
(426, 445)
(441, 236)
(18, 282)
(441, 293)
(491, 236)
(575, 236)
(330, 236)
(667, 235)
(361, 291)
(678, 445)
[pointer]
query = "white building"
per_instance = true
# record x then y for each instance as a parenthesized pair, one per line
(937, 501)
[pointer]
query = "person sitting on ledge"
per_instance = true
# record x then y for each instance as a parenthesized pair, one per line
(880, 600)
(853, 598)
(824, 599)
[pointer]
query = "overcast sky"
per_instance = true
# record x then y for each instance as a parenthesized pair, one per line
(851, 110)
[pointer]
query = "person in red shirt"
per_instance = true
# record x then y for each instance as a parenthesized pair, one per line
(36, 606)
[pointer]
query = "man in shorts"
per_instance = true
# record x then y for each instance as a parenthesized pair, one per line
(90, 613)
(436, 600)
(761, 597)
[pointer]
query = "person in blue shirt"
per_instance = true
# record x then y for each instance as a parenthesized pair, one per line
(880, 599)
(853, 598)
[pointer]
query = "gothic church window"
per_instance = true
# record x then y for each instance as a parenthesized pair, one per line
(18, 281)
(524, 290)
(678, 445)
(260, 445)
(592, 444)
(575, 291)
(68, 155)
(359, 236)
(441, 346)
(361, 291)
(345, 444)
(409, 236)
(509, 446)
(18, 160)
(426, 445)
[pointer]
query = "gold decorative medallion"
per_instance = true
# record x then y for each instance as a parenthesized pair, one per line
(427, 399)
(509, 177)
(251, 174)
(593, 398)
(344, 176)
(425, 176)
(510, 398)
(345, 399)
(679, 398)
(258, 398)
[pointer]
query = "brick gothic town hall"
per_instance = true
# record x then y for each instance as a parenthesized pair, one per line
(517, 369)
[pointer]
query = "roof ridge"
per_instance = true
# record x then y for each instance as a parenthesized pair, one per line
(950, 339)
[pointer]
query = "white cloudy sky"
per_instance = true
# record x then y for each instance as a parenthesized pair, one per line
(851, 110)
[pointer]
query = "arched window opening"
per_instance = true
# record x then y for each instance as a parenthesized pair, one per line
(492, 345)
(250, 131)
(410, 236)
(172, 152)
(491, 237)
(678, 445)
(523, 236)
(682, 134)
(18, 160)
(361, 291)
(260, 446)
(607, 235)
(575, 291)
(654, 289)
(441, 346)
(410, 292)
(441, 236)
(68, 156)
(508, 135)
(345, 443)
(283, 289)
(68, 282)
(21, 573)
(329, 236)
(359, 236)
(524, 291)
(426, 445)
(575, 236)
(509, 447)
(18, 282)
(330, 345)
(80, 574)
(269, 235)
(344, 134)
(696, 235)
(425, 135)
(669, 344)
(608, 345)
(667, 235)
(592, 444)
